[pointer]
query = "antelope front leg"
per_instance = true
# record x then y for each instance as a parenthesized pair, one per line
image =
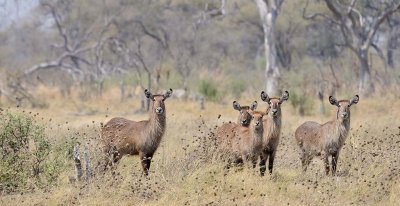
(146, 161)
(305, 159)
(271, 161)
(335, 157)
(111, 158)
(263, 160)
(254, 161)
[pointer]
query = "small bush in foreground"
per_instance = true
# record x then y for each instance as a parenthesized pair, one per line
(26, 160)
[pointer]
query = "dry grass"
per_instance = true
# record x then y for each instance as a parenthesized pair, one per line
(185, 171)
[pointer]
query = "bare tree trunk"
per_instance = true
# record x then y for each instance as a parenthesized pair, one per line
(202, 101)
(321, 102)
(390, 61)
(100, 88)
(78, 164)
(366, 86)
(142, 103)
(391, 45)
(122, 89)
(356, 35)
(268, 13)
(88, 167)
(149, 88)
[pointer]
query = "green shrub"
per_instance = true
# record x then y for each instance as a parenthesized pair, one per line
(302, 103)
(26, 161)
(237, 88)
(209, 89)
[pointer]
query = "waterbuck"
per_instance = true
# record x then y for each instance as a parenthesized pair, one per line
(242, 143)
(244, 116)
(327, 139)
(122, 136)
(244, 119)
(272, 130)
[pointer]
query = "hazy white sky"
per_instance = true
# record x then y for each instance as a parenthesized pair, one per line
(12, 10)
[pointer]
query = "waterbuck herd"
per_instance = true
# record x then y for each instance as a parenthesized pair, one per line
(254, 137)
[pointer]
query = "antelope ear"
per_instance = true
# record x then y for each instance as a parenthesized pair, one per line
(253, 106)
(284, 97)
(236, 105)
(264, 97)
(354, 100)
(333, 101)
(168, 94)
(148, 94)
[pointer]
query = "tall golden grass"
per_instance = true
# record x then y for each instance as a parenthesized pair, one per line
(185, 170)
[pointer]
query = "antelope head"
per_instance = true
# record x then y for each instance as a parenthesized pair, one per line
(257, 119)
(158, 100)
(343, 106)
(245, 117)
(274, 103)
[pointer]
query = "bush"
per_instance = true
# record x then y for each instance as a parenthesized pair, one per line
(209, 90)
(237, 88)
(26, 161)
(302, 102)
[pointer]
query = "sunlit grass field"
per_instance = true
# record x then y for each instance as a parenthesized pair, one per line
(186, 169)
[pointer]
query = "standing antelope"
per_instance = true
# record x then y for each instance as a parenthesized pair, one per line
(244, 119)
(243, 143)
(121, 136)
(272, 130)
(327, 139)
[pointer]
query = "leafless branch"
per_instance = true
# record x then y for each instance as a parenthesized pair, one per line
(217, 12)
(352, 9)
(378, 22)
(140, 56)
(316, 15)
(78, 51)
(279, 3)
(206, 14)
(380, 54)
(336, 12)
(57, 19)
(153, 35)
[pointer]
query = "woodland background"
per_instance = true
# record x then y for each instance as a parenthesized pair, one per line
(69, 66)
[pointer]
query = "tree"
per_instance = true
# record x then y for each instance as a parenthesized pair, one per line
(358, 26)
(80, 52)
(269, 11)
(393, 37)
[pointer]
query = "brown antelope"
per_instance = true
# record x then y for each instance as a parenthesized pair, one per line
(244, 115)
(272, 130)
(121, 136)
(244, 119)
(327, 139)
(240, 142)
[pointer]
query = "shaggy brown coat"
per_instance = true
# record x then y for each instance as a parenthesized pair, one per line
(272, 130)
(243, 143)
(122, 136)
(327, 139)
(244, 118)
